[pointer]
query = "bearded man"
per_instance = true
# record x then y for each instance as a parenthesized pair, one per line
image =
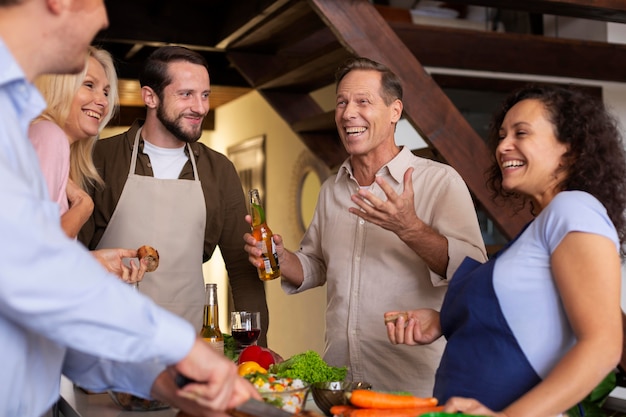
(165, 189)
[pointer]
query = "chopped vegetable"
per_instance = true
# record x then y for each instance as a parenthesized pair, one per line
(309, 367)
(249, 367)
(286, 393)
(374, 399)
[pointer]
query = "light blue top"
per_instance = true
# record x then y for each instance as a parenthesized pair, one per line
(523, 281)
(504, 320)
(60, 312)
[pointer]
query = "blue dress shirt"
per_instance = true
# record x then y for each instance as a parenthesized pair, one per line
(60, 312)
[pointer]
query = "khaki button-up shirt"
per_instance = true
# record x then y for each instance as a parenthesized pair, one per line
(369, 271)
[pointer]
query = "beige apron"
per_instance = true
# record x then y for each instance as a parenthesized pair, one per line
(169, 215)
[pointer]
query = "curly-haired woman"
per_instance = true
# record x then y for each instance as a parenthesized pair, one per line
(532, 331)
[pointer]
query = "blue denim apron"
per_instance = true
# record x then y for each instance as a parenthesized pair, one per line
(482, 359)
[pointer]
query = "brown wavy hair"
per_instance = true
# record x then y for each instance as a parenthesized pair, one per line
(596, 160)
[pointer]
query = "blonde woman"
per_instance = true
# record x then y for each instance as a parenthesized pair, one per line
(79, 106)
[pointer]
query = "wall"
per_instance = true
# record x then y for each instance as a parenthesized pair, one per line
(296, 321)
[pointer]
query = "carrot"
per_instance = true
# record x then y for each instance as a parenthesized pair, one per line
(394, 412)
(373, 399)
(342, 410)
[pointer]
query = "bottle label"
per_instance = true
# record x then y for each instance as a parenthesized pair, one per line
(274, 253)
(261, 245)
(267, 263)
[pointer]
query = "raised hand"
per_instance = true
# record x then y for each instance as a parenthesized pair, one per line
(421, 327)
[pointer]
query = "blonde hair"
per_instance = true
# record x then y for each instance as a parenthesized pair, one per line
(59, 91)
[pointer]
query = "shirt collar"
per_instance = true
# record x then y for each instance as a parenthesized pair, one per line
(395, 168)
(28, 101)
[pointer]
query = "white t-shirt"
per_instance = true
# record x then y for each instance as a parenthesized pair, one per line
(166, 162)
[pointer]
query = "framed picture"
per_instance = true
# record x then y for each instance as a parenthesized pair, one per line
(249, 160)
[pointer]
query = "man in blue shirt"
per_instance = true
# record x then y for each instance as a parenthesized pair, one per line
(60, 312)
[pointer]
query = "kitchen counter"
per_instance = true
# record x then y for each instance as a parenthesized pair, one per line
(77, 403)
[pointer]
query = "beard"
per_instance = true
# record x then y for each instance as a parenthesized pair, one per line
(174, 126)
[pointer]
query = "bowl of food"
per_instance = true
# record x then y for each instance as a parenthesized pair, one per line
(285, 393)
(131, 402)
(327, 394)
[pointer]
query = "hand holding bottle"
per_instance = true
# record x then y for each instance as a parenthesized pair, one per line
(290, 266)
(269, 268)
(251, 245)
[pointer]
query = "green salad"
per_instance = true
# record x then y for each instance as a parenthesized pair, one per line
(309, 367)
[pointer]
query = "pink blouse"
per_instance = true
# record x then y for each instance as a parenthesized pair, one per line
(53, 150)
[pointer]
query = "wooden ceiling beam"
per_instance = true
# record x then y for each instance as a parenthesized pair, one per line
(606, 10)
(513, 53)
(444, 47)
(363, 31)
(305, 74)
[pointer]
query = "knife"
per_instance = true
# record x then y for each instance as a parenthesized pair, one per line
(251, 407)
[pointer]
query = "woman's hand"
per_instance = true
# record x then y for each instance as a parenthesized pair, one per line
(469, 406)
(112, 260)
(421, 328)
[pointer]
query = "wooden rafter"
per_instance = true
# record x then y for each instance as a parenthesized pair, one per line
(363, 31)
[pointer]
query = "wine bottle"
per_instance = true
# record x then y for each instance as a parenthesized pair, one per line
(263, 235)
(210, 321)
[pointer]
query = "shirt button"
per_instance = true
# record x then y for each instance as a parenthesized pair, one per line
(361, 222)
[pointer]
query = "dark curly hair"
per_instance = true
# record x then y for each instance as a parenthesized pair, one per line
(596, 160)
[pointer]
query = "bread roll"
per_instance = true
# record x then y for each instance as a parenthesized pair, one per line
(151, 255)
(393, 317)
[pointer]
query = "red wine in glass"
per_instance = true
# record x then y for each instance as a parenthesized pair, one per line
(246, 337)
(245, 327)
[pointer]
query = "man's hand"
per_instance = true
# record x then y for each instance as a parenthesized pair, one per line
(217, 385)
(255, 252)
(422, 327)
(111, 259)
(397, 214)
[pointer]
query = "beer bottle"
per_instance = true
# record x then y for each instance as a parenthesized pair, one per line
(263, 235)
(210, 321)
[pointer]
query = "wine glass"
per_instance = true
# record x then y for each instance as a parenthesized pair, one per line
(245, 327)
